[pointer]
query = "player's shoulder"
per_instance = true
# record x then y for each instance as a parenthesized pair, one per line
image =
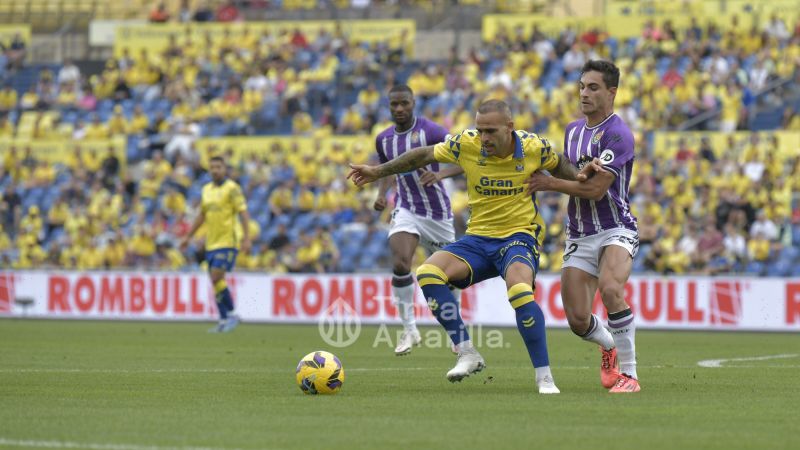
(575, 124)
(468, 135)
(616, 129)
(387, 132)
(530, 140)
(231, 184)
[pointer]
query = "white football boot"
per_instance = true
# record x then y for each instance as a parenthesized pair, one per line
(407, 341)
(547, 385)
(469, 362)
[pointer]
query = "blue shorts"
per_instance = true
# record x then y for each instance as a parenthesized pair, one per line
(222, 258)
(490, 257)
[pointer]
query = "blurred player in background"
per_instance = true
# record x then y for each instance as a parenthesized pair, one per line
(422, 212)
(222, 201)
(504, 231)
(602, 235)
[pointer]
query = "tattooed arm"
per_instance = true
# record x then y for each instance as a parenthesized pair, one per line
(414, 159)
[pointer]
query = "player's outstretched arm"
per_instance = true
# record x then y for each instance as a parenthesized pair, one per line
(596, 184)
(564, 170)
(449, 170)
(414, 159)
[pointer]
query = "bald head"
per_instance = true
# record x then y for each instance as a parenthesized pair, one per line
(495, 106)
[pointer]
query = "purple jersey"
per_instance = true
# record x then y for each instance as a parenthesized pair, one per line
(612, 142)
(432, 201)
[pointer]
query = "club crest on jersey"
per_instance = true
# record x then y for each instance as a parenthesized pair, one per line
(520, 166)
(596, 138)
(415, 137)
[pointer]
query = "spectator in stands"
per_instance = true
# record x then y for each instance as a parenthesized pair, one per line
(16, 52)
(734, 243)
(69, 73)
(8, 99)
(228, 12)
(706, 152)
(185, 12)
(764, 227)
(11, 209)
(159, 14)
(710, 244)
(203, 13)
(30, 99)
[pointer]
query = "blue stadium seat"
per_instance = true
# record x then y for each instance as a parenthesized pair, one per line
(754, 268)
(779, 268)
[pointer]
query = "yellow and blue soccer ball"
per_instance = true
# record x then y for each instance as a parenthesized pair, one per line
(320, 372)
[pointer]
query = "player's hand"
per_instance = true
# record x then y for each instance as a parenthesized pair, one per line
(537, 182)
(429, 178)
(184, 243)
(589, 170)
(362, 174)
(246, 246)
(380, 203)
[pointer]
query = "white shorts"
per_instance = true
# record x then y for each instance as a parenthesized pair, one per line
(584, 253)
(433, 234)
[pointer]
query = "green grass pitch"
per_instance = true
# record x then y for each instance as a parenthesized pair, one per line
(127, 385)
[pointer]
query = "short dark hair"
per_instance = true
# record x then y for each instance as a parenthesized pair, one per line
(490, 106)
(401, 88)
(217, 158)
(608, 69)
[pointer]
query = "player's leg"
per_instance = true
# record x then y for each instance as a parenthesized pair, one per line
(433, 277)
(435, 235)
(519, 278)
(578, 286)
(222, 291)
(616, 263)
(217, 276)
(403, 246)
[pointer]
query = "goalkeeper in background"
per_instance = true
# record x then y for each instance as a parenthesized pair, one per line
(222, 201)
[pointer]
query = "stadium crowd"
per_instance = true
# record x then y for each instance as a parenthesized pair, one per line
(701, 209)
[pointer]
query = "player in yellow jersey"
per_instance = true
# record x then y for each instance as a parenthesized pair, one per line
(503, 235)
(222, 201)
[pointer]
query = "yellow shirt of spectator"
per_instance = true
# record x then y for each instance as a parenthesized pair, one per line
(91, 258)
(497, 197)
(139, 123)
(90, 161)
(220, 205)
(114, 254)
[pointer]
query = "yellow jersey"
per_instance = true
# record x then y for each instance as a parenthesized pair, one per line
(220, 206)
(497, 201)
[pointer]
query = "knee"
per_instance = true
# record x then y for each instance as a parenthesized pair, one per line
(610, 291)
(579, 323)
(401, 266)
(428, 274)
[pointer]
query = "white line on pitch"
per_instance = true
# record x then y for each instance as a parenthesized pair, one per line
(719, 362)
(91, 446)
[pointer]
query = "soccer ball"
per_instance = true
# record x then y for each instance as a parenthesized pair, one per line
(320, 372)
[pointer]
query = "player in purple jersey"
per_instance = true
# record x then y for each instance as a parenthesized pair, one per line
(602, 236)
(422, 213)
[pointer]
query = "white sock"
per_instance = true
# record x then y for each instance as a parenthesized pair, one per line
(623, 330)
(542, 372)
(404, 299)
(598, 334)
(465, 345)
